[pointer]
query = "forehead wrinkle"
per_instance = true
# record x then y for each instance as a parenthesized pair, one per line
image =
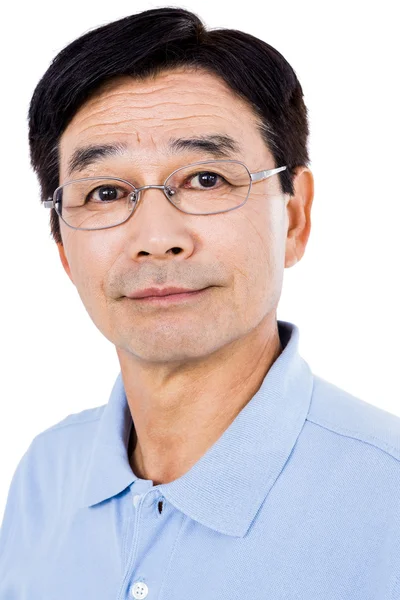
(120, 89)
(199, 104)
(155, 120)
(96, 107)
(213, 90)
(216, 114)
(114, 108)
(146, 92)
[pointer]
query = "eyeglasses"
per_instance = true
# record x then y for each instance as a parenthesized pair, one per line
(103, 202)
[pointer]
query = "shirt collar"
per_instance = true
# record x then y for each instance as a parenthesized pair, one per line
(225, 488)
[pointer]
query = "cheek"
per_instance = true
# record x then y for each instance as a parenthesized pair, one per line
(258, 254)
(89, 259)
(246, 244)
(266, 219)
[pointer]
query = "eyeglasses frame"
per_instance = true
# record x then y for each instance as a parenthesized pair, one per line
(254, 178)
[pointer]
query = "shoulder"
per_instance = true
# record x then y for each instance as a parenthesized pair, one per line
(72, 424)
(340, 412)
(66, 440)
(57, 451)
(41, 483)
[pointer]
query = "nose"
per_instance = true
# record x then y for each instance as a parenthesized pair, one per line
(158, 229)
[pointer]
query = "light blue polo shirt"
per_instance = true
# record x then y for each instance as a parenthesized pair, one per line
(299, 499)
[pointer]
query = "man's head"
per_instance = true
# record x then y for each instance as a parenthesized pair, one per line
(139, 82)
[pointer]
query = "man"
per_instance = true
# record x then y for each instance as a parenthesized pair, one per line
(175, 158)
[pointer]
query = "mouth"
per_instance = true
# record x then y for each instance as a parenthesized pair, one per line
(171, 298)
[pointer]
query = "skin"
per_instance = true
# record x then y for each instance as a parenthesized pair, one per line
(188, 369)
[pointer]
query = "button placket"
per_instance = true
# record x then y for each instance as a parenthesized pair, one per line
(153, 500)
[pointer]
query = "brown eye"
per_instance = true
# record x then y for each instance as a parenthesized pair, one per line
(105, 193)
(205, 180)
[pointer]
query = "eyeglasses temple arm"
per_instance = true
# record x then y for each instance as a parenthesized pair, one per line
(264, 174)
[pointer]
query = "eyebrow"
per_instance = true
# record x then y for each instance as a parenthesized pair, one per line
(216, 145)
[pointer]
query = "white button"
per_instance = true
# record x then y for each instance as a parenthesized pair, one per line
(139, 590)
(136, 500)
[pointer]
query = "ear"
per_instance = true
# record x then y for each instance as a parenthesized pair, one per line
(64, 260)
(299, 216)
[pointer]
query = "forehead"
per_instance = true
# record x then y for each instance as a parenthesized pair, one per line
(145, 114)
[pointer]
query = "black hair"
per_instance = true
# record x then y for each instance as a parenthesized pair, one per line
(143, 45)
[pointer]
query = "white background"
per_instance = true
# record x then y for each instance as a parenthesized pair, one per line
(343, 295)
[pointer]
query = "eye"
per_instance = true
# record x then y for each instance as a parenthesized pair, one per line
(205, 180)
(105, 193)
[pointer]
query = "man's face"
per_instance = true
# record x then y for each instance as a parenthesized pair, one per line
(240, 254)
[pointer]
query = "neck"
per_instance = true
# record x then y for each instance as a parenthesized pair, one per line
(179, 416)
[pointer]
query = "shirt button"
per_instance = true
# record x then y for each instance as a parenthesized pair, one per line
(139, 590)
(136, 500)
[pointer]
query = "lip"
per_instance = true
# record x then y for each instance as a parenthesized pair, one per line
(151, 292)
(170, 298)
